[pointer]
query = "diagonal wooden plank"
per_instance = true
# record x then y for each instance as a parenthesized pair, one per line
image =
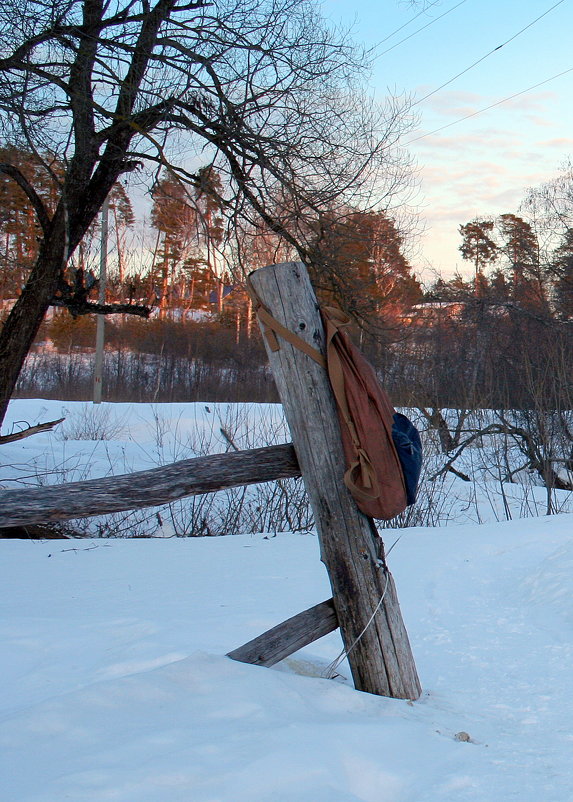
(281, 641)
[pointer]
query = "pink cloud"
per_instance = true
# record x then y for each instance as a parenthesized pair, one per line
(563, 143)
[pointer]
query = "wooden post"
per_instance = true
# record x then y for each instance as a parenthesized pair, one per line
(363, 589)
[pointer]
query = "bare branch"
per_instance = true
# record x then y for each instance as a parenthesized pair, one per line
(272, 95)
(30, 192)
(29, 431)
(83, 307)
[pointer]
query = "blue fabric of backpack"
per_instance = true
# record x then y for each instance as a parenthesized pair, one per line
(408, 444)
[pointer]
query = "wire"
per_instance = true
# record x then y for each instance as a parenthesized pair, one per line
(405, 25)
(423, 28)
(487, 108)
(495, 49)
(331, 669)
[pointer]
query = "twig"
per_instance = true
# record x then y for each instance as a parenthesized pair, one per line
(39, 427)
(88, 548)
(228, 438)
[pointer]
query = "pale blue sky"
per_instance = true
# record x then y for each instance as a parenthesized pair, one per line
(483, 165)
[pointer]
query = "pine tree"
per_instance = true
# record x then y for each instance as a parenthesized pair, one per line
(521, 251)
(19, 229)
(477, 246)
(562, 267)
(173, 216)
(360, 265)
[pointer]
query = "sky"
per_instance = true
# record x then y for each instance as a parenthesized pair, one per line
(484, 165)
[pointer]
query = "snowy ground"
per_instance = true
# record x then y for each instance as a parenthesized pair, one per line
(115, 684)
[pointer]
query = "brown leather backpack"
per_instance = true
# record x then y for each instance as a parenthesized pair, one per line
(374, 474)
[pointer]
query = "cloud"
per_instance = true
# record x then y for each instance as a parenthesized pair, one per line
(444, 101)
(479, 144)
(528, 111)
(446, 110)
(560, 143)
(532, 101)
(484, 166)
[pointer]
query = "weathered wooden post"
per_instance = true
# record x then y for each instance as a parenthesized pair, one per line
(364, 594)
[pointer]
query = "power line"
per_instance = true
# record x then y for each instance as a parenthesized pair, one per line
(495, 49)
(409, 22)
(492, 106)
(423, 28)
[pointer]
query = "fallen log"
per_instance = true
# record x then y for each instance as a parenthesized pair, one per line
(150, 488)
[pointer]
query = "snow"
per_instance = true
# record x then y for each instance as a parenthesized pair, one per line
(115, 684)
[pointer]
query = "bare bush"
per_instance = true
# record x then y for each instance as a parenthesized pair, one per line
(91, 423)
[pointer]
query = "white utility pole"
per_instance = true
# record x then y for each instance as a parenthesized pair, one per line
(100, 330)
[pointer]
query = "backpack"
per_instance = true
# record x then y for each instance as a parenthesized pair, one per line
(409, 447)
(382, 448)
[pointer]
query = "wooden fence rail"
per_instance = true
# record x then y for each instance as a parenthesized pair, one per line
(151, 488)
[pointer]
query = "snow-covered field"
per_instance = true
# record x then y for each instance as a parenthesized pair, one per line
(112, 439)
(115, 684)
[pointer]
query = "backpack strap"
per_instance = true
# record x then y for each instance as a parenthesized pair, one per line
(273, 327)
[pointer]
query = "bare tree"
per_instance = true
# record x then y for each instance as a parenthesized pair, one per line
(551, 205)
(264, 91)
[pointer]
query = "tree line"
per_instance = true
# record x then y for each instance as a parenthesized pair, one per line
(486, 340)
(526, 260)
(266, 97)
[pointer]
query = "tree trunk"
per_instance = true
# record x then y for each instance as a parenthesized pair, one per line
(439, 423)
(27, 314)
